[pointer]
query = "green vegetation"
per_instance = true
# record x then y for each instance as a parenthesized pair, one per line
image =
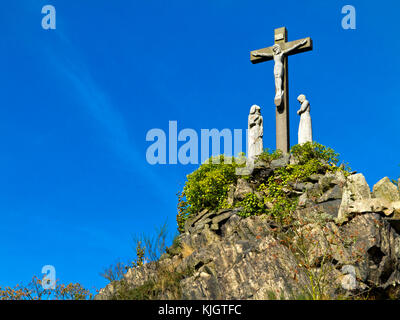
(164, 283)
(208, 186)
(34, 290)
(164, 280)
(251, 205)
(148, 249)
(314, 151)
(268, 155)
(278, 197)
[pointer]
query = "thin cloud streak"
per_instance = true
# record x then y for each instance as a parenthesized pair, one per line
(98, 106)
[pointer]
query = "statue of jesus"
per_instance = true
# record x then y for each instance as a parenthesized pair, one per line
(278, 55)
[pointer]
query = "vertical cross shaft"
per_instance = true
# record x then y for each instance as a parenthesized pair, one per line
(282, 111)
(281, 60)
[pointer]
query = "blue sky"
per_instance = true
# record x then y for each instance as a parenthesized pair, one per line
(77, 102)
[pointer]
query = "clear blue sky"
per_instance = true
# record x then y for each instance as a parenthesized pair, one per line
(77, 102)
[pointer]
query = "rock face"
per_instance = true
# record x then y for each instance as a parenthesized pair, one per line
(356, 188)
(387, 190)
(343, 240)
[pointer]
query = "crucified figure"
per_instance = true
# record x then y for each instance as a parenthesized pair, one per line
(278, 54)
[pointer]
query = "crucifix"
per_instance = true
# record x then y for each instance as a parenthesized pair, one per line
(279, 53)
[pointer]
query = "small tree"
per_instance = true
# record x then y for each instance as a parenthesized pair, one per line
(34, 290)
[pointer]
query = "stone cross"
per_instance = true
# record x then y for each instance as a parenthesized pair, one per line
(279, 53)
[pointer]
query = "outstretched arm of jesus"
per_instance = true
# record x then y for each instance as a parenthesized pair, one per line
(261, 54)
(296, 46)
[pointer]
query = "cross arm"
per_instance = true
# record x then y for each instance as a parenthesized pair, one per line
(261, 55)
(290, 48)
(298, 46)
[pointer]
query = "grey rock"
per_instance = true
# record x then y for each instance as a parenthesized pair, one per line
(386, 189)
(214, 226)
(222, 217)
(281, 162)
(371, 205)
(231, 257)
(355, 188)
(304, 201)
(315, 177)
(231, 195)
(332, 194)
(396, 208)
(328, 209)
(246, 261)
(242, 189)
(261, 171)
(309, 186)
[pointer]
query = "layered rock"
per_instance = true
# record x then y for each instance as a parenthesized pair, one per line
(385, 189)
(341, 231)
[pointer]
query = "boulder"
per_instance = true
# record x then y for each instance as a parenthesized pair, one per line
(396, 207)
(261, 171)
(386, 189)
(242, 189)
(309, 210)
(371, 205)
(235, 258)
(355, 188)
(246, 260)
(280, 162)
(231, 195)
(332, 194)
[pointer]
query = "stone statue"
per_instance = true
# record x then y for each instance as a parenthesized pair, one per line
(255, 133)
(305, 127)
(278, 55)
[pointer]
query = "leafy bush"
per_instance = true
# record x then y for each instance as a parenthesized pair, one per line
(251, 206)
(35, 291)
(279, 201)
(303, 153)
(268, 156)
(164, 282)
(207, 187)
(148, 249)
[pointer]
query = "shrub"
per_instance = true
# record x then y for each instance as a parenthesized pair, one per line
(268, 156)
(313, 150)
(207, 187)
(251, 206)
(165, 282)
(277, 191)
(35, 291)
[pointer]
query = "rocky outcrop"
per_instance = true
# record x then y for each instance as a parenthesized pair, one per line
(344, 239)
(385, 189)
(356, 188)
